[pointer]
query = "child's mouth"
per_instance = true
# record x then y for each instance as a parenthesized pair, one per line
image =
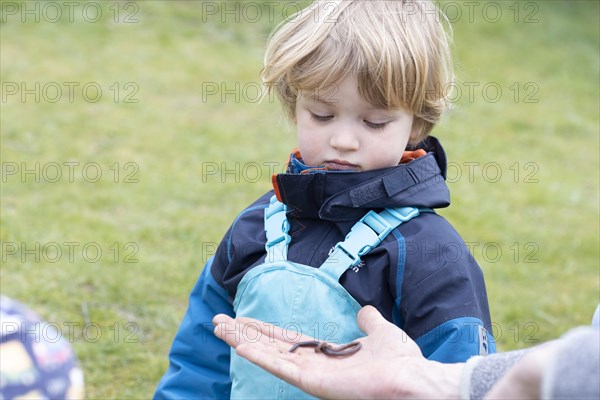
(340, 165)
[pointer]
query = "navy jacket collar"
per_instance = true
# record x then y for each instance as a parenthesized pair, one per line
(342, 196)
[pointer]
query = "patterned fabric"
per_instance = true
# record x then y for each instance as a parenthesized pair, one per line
(35, 360)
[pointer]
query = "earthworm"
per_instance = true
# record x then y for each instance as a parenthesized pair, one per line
(328, 349)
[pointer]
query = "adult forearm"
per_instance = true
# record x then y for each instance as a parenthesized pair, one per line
(567, 368)
(482, 373)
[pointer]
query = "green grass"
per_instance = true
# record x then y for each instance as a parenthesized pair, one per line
(541, 212)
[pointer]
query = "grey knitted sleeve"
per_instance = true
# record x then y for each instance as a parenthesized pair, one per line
(575, 372)
(481, 373)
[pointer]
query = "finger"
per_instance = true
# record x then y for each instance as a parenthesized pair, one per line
(221, 318)
(227, 330)
(369, 320)
(247, 330)
(271, 331)
(235, 332)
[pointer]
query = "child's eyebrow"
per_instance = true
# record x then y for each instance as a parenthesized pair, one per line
(315, 98)
(325, 101)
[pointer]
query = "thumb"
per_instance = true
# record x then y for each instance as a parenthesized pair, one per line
(370, 320)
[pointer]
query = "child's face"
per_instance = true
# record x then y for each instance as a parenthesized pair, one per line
(340, 130)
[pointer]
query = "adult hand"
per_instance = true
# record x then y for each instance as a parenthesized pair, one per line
(389, 364)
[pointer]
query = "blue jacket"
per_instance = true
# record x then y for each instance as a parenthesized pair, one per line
(422, 277)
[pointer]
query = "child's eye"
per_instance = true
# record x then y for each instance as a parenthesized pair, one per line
(321, 118)
(374, 125)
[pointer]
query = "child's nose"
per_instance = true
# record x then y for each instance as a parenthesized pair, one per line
(345, 139)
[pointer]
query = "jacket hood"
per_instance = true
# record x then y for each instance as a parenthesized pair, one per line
(346, 196)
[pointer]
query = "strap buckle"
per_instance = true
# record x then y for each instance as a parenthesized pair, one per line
(366, 234)
(276, 223)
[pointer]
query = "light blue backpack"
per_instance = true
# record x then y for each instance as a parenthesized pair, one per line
(301, 298)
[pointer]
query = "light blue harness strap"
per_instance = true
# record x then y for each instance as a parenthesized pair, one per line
(365, 235)
(276, 228)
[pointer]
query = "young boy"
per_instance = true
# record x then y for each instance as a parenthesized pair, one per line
(362, 81)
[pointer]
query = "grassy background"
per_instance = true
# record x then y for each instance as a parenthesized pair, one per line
(523, 173)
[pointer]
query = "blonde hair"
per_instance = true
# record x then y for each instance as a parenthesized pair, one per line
(398, 50)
